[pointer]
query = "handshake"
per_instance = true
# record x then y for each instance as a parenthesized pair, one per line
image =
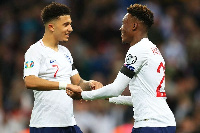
(74, 91)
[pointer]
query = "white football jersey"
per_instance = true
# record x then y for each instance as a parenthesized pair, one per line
(147, 86)
(51, 108)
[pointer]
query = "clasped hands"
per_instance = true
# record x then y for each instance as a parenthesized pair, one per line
(74, 91)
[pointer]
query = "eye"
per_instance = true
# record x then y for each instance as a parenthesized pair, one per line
(66, 24)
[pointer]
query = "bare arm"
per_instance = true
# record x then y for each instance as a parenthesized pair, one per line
(39, 84)
(35, 83)
(85, 85)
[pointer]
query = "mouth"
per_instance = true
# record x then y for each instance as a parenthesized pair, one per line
(67, 35)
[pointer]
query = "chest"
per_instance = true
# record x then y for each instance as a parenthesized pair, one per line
(56, 64)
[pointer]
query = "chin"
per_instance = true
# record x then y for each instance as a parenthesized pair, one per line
(125, 42)
(65, 40)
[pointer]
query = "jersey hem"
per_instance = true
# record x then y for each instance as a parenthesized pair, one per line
(40, 126)
(152, 125)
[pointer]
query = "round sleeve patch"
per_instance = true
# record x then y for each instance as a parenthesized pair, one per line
(29, 64)
(130, 59)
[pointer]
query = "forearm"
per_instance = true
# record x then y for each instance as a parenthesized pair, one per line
(85, 85)
(35, 83)
(102, 93)
(125, 100)
(111, 90)
(77, 80)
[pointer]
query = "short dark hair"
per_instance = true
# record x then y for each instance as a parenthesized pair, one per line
(142, 13)
(53, 11)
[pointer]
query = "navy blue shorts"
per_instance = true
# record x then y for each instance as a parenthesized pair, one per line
(171, 129)
(70, 129)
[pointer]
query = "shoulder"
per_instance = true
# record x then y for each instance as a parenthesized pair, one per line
(140, 51)
(34, 49)
(143, 46)
(64, 49)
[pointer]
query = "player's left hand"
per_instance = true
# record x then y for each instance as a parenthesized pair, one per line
(94, 85)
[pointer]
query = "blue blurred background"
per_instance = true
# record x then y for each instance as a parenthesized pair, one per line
(98, 54)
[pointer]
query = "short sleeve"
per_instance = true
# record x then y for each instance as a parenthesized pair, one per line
(70, 59)
(74, 71)
(31, 63)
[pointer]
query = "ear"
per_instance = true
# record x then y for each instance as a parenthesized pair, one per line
(51, 27)
(134, 26)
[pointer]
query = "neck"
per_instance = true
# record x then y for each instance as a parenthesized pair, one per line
(50, 41)
(138, 38)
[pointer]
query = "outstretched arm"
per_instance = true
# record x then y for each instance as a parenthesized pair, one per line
(111, 90)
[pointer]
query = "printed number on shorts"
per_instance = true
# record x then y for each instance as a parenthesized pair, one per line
(56, 70)
(160, 94)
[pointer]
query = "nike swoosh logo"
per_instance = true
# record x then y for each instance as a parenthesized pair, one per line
(52, 61)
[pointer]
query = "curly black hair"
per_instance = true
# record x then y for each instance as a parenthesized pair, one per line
(53, 11)
(142, 13)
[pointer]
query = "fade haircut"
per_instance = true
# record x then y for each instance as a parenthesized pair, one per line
(54, 11)
(142, 13)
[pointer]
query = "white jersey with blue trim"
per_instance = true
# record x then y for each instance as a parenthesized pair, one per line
(147, 86)
(51, 108)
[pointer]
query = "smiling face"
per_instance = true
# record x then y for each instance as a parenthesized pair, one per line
(127, 29)
(62, 28)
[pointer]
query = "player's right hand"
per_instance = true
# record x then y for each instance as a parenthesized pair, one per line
(74, 91)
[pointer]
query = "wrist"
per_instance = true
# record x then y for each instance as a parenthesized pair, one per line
(62, 85)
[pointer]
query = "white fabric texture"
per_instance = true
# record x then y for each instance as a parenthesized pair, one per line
(144, 86)
(51, 108)
(62, 85)
(125, 100)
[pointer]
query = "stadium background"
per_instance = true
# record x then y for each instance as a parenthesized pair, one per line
(98, 54)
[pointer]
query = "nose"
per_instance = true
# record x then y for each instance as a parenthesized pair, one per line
(70, 28)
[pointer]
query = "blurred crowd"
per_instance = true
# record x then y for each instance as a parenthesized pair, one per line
(98, 54)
